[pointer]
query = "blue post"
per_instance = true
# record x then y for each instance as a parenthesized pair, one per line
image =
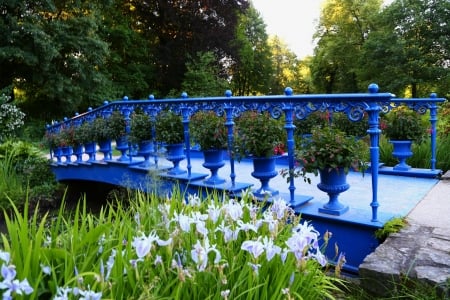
(433, 121)
(374, 132)
(187, 141)
(126, 112)
(153, 112)
(230, 127)
(289, 126)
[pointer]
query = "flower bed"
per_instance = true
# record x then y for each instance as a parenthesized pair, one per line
(166, 249)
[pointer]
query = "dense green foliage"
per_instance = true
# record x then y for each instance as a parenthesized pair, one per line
(25, 171)
(67, 56)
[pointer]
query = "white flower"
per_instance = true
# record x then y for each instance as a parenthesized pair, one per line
(255, 267)
(270, 247)
(213, 212)
(271, 222)
(183, 221)
(234, 210)
(143, 244)
(90, 295)
(225, 294)
(279, 207)
(47, 270)
(246, 226)
(194, 200)
(228, 234)
(158, 260)
(5, 256)
(200, 254)
(297, 244)
(62, 293)
(256, 248)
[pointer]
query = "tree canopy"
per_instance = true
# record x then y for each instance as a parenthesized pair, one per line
(59, 57)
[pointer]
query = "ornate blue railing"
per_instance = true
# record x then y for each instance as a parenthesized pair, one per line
(291, 106)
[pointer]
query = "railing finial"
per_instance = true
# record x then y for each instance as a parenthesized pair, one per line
(433, 95)
(288, 91)
(184, 95)
(125, 98)
(151, 97)
(105, 102)
(228, 93)
(373, 88)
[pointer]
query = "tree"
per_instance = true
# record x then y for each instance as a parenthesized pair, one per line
(52, 52)
(288, 70)
(130, 63)
(202, 77)
(343, 29)
(251, 72)
(180, 28)
(409, 53)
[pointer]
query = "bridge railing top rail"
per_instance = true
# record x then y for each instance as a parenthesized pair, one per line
(353, 104)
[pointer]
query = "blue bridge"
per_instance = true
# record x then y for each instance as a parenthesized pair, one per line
(373, 199)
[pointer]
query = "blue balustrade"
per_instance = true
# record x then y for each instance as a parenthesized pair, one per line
(353, 105)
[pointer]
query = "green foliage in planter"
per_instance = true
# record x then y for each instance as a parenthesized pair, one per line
(329, 148)
(64, 138)
(84, 133)
(343, 123)
(402, 123)
(169, 128)
(117, 125)
(208, 130)
(140, 127)
(102, 131)
(315, 119)
(258, 134)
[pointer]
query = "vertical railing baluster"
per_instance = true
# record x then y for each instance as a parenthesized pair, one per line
(290, 127)
(374, 132)
(126, 112)
(187, 140)
(433, 134)
(230, 128)
(153, 112)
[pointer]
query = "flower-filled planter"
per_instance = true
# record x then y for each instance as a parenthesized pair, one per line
(118, 124)
(331, 154)
(403, 126)
(170, 131)
(103, 136)
(261, 137)
(141, 134)
(209, 131)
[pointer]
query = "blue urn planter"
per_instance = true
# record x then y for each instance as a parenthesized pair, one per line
(67, 153)
(333, 182)
(145, 149)
(213, 162)
(105, 148)
(402, 151)
(78, 151)
(57, 152)
(264, 171)
(175, 153)
(122, 146)
(90, 149)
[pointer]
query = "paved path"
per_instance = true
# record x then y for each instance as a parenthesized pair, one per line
(420, 251)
